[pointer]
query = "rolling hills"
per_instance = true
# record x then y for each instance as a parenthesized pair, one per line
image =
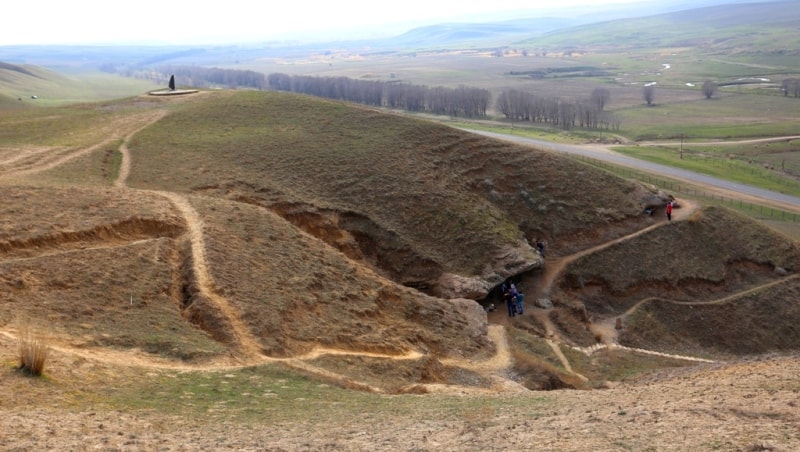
(270, 240)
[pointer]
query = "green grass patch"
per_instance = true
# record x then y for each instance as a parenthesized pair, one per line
(617, 365)
(730, 116)
(706, 163)
(273, 394)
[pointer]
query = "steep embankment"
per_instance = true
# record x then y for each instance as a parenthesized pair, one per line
(693, 287)
(428, 206)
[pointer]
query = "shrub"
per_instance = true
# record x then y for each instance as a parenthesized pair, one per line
(32, 351)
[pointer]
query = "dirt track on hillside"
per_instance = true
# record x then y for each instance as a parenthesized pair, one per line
(247, 350)
(709, 407)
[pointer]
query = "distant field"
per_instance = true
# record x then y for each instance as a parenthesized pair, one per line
(734, 111)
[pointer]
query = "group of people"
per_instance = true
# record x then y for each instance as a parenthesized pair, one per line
(513, 298)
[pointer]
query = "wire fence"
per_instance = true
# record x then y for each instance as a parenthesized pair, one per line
(757, 210)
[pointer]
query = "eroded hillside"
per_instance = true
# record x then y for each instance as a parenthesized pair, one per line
(428, 206)
(247, 228)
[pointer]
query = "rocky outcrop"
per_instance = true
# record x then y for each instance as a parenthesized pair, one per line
(652, 197)
(477, 324)
(504, 264)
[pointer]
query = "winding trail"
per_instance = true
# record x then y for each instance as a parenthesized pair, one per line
(564, 361)
(247, 345)
(605, 329)
(247, 349)
(36, 160)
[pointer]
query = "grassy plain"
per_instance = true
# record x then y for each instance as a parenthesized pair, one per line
(722, 166)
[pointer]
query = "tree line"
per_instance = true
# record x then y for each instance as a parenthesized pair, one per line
(566, 114)
(205, 77)
(463, 101)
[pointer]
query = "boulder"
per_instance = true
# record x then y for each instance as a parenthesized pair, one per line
(543, 303)
(477, 324)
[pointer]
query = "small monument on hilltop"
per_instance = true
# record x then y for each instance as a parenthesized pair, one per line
(171, 91)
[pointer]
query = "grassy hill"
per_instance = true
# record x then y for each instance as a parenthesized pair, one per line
(768, 27)
(316, 214)
(695, 286)
(257, 256)
(38, 86)
(416, 199)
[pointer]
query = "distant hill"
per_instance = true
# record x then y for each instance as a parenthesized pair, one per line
(764, 27)
(479, 33)
(556, 26)
(28, 84)
(26, 81)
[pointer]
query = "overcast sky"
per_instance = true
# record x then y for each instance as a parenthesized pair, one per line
(183, 22)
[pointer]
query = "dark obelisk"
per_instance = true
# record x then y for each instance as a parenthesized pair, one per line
(172, 82)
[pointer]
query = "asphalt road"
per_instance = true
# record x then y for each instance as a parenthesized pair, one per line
(601, 153)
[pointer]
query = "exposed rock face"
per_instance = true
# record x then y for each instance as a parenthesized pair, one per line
(477, 325)
(544, 303)
(505, 263)
(652, 197)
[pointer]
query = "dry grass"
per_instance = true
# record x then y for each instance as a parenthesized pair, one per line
(408, 198)
(33, 349)
(415, 194)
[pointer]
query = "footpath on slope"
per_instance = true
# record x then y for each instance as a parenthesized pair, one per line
(247, 348)
(553, 270)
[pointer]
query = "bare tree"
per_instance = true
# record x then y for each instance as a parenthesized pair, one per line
(649, 93)
(709, 88)
(791, 87)
(600, 97)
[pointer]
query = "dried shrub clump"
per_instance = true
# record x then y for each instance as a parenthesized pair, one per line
(32, 351)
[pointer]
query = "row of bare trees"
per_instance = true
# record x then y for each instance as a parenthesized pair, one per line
(215, 77)
(559, 112)
(457, 102)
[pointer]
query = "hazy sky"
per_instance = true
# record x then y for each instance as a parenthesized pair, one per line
(181, 21)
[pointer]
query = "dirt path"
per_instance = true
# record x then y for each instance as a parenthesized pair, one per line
(36, 160)
(718, 143)
(247, 346)
(125, 164)
(564, 361)
(555, 267)
(606, 328)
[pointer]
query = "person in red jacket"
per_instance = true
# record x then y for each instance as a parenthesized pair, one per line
(669, 211)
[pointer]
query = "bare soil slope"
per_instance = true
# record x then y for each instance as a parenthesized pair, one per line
(248, 259)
